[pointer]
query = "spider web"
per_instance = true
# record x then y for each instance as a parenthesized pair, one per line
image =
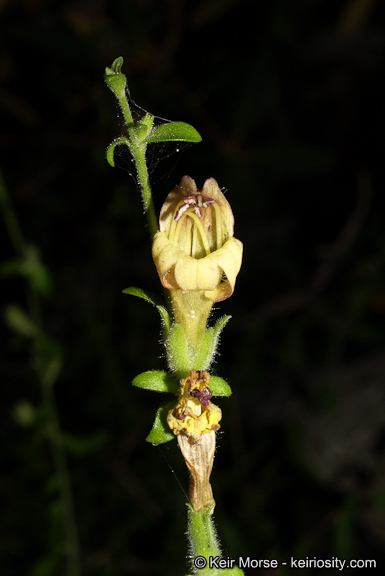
(155, 152)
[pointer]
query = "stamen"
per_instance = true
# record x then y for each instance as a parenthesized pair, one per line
(175, 238)
(171, 233)
(218, 225)
(201, 231)
(204, 396)
(194, 241)
(190, 200)
(195, 202)
(181, 210)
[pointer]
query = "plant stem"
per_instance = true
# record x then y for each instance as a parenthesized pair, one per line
(203, 537)
(138, 151)
(204, 543)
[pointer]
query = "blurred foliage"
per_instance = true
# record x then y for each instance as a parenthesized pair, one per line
(288, 97)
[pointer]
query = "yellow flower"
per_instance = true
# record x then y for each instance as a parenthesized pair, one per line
(194, 249)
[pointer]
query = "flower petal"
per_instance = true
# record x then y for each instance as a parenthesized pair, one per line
(178, 270)
(211, 190)
(229, 259)
(192, 274)
(165, 256)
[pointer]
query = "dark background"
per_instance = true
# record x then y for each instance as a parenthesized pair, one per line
(289, 100)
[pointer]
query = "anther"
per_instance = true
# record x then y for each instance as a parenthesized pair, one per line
(194, 201)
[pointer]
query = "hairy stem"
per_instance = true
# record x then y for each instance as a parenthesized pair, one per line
(138, 151)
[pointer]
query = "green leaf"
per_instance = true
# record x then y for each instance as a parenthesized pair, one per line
(174, 131)
(143, 128)
(156, 380)
(116, 66)
(154, 300)
(219, 387)
(160, 432)
(177, 352)
(20, 322)
(111, 149)
(217, 329)
(208, 346)
(220, 324)
(205, 353)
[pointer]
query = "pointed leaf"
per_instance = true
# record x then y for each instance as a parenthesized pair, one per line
(174, 131)
(156, 380)
(111, 149)
(143, 128)
(154, 300)
(116, 67)
(177, 352)
(220, 324)
(161, 433)
(219, 387)
(208, 346)
(205, 353)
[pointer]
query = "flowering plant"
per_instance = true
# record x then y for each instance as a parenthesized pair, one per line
(198, 260)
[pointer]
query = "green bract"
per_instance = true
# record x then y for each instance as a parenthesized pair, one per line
(207, 349)
(160, 432)
(156, 380)
(219, 387)
(178, 355)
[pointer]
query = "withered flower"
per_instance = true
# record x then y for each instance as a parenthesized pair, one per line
(194, 414)
(195, 420)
